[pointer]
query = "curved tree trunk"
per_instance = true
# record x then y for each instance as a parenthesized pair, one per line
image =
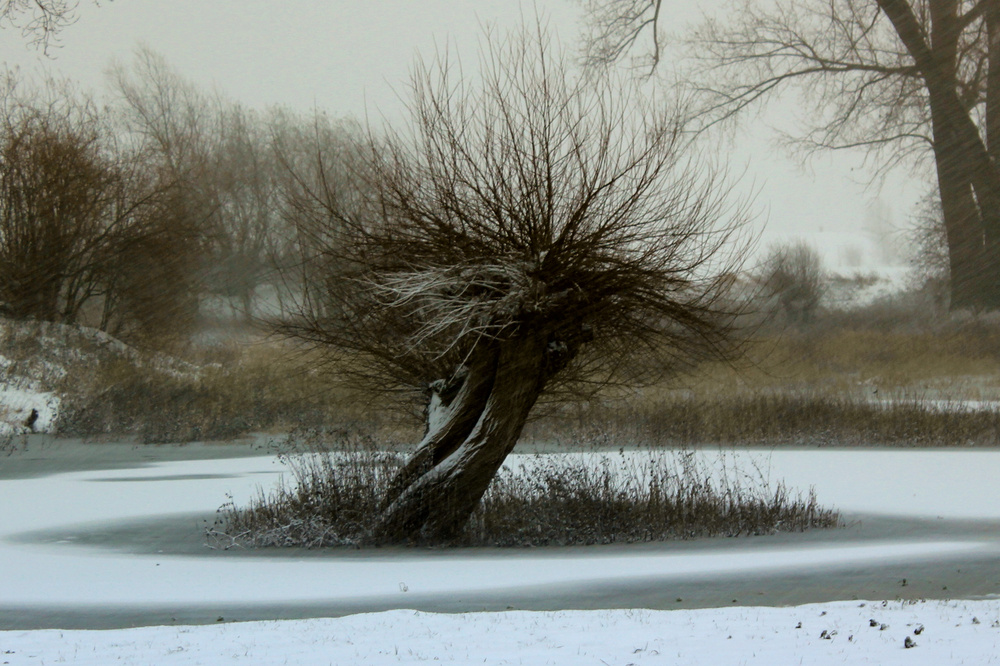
(450, 419)
(437, 503)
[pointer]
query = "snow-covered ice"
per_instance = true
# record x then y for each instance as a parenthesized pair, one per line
(958, 484)
(79, 576)
(955, 484)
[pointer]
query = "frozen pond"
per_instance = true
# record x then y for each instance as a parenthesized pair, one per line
(886, 496)
(915, 483)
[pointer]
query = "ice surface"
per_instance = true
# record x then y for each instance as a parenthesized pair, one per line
(912, 483)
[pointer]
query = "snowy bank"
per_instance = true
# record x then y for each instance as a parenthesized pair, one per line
(44, 364)
(956, 632)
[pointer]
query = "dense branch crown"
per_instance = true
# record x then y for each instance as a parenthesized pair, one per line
(532, 201)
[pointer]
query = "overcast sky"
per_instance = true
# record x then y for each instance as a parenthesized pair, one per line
(352, 58)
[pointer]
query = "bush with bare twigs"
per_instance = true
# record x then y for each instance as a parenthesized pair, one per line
(88, 233)
(591, 496)
(792, 276)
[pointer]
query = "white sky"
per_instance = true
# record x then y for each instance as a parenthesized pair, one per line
(352, 57)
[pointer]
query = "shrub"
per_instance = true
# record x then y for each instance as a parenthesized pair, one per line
(576, 499)
(792, 275)
(88, 232)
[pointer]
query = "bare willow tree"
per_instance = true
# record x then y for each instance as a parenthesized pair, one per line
(531, 231)
(904, 79)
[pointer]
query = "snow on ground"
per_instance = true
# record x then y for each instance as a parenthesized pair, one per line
(958, 484)
(37, 359)
(16, 405)
(956, 632)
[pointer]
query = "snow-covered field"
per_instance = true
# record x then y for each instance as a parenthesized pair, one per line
(957, 632)
(951, 484)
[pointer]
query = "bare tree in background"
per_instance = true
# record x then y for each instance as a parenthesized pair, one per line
(317, 157)
(76, 207)
(533, 232)
(221, 155)
(150, 279)
(169, 114)
(903, 79)
(40, 21)
(247, 208)
(792, 274)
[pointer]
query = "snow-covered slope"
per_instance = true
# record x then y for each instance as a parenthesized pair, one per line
(43, 365)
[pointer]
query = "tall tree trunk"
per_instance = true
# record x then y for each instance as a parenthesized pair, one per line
(968, 179)
(992, 17)
(993, 80)
(436, 505)
(963, 229)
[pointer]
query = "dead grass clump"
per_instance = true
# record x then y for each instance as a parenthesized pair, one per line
(554, 499)
(582, 500)
(330, 501)
(337, 485)
(255, 389)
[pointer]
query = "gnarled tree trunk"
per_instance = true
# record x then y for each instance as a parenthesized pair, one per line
(441, 484)
(453, 410)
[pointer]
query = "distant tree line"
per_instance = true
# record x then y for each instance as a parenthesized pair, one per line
(128, 216)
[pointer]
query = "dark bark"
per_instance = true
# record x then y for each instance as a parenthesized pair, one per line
(962, 228)
(969, 181)
(436, 506)
(451, 417)
(992, 16)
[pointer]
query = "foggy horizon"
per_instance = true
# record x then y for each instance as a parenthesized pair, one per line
(352, 60)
